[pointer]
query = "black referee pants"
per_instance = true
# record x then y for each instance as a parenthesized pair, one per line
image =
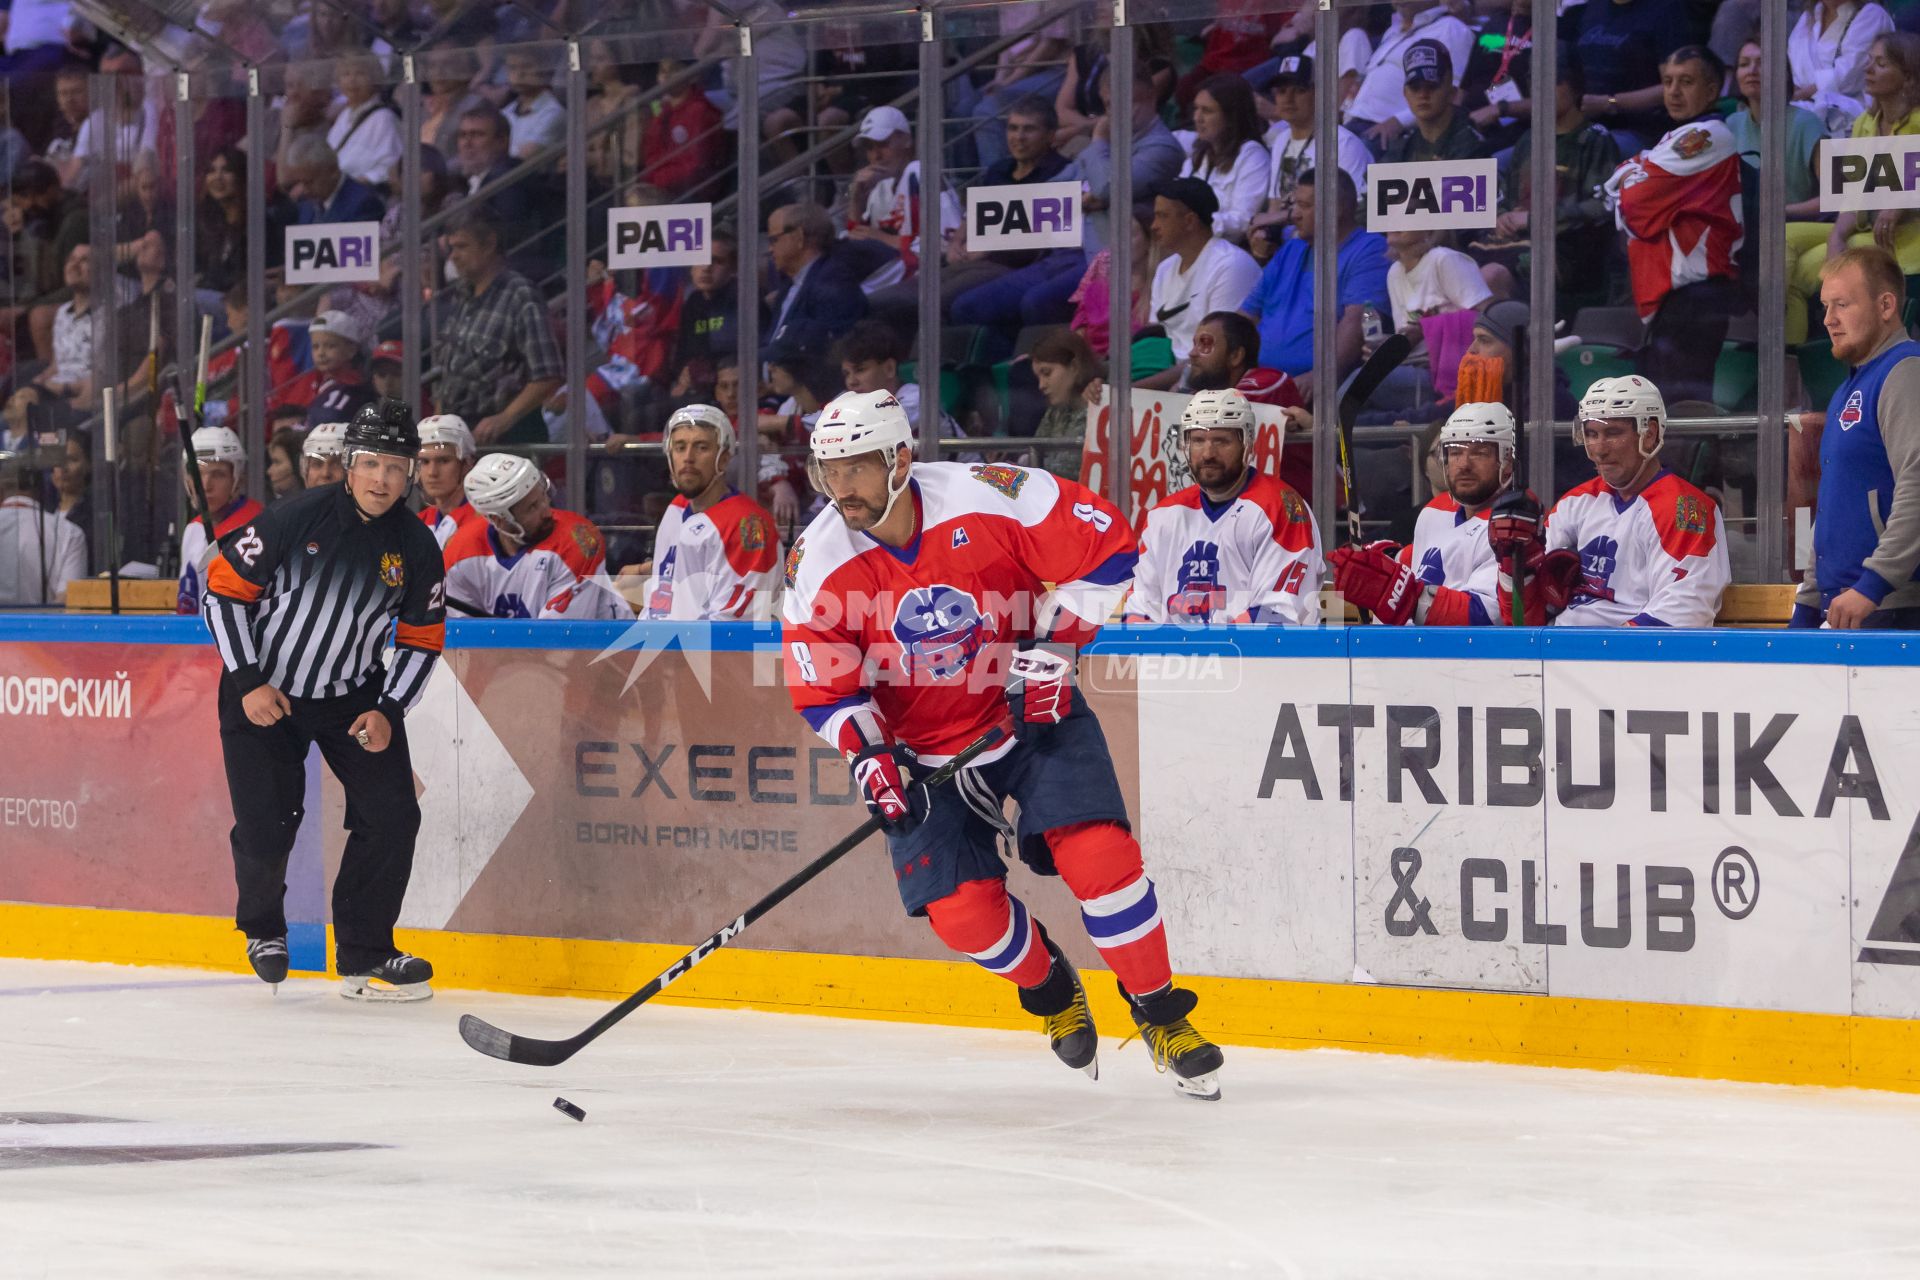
(266, 774)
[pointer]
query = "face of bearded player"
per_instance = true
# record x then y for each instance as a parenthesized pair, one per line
(1474, 473)
(858, 486)
(694, 454)
(534, 514)
(1216, 458)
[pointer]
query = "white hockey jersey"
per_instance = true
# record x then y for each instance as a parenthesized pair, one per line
(444, 526)
(1255, 558)
(195, 555)
(1658, 560)
(1449, 553)
(721, 563)
(545, 580)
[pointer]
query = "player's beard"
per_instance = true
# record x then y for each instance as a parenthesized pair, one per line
(1479, 495)
(690, 484)
(861, 517)
(539, 533)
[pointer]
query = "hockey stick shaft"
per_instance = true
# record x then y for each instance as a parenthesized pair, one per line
(191, 423)
(1354, 394)
(1517, 570)
(495, 1043)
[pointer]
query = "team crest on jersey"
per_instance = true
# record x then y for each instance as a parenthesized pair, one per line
(1690, 514)
(753, 534)
(1000, 477)
(793, 561)
(587, 539)
(1433, 569)
(941, 630)
(393, 569)
(1598, 559)
(1692, 143)
(1292, 507)
(1854, 410)
(1200, 593)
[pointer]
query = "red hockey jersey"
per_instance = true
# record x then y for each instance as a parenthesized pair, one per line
(1679, 203)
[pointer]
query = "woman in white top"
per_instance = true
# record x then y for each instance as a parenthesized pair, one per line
(1229, 153)
(366, 133)
(1827, 50)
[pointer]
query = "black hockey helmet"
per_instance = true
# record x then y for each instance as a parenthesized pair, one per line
(385, 426)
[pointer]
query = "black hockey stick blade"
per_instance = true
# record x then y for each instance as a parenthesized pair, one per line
(1364, 381)
(495, 1043)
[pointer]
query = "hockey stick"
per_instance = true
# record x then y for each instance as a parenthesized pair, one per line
(1354, 394)
(189, 425)
(495, 1043)
(1516, 568)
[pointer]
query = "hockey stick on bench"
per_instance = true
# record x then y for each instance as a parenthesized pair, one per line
(495, 1043)
(1354, 394)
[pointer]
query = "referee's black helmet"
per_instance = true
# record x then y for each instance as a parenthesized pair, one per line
(385, 426)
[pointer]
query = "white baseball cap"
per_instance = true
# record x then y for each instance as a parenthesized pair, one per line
(342, 326)
(882, 123)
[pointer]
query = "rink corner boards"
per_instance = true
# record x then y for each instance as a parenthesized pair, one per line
(1762, 1046)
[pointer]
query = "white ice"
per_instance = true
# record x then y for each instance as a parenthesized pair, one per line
(738, 1144)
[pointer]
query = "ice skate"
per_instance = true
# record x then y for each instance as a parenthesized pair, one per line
(1061, 1004)
(397, 979)
(1193, 1059)
(268, 956)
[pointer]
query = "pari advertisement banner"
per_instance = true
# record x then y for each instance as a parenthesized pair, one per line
(664, 235)
(333, 253)
(1038, 215)
(1868, 174)
(1433, 195)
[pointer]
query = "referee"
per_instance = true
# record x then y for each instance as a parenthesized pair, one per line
(300, 605)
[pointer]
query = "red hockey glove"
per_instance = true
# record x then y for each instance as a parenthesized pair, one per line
(1040, 685)
(1550, 579)
(1514, 525)
(1377, 582)
(897, 802)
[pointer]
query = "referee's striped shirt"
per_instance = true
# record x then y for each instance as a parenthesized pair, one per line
(302, 599)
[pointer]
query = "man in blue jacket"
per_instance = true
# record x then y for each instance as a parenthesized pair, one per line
(1866, 540)
(312, 177)
(821, 301)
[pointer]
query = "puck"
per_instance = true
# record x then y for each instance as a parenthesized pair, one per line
(567, 1108)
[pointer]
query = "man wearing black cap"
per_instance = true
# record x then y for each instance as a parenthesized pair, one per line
(300, 605)
(1440, 130)
(1200, 273)
(1293, 151)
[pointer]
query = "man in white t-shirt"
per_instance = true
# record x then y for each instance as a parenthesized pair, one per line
(1200, 274)
(1292, 145)
(1379, 111)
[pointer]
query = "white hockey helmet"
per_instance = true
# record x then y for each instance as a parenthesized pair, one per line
(499, 481)
(219, 444)
(855, 423)
(702, 415)
(1482, 424)
(1225, 410)
(448, 429)
(327, 440)
(1631, 396)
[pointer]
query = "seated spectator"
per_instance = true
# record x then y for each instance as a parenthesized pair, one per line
(1233, 43)
(29, 411)
(1893, 92)
(873, 212)
(1080, 103)
(365, 136)
(1199, 271)
(446, 93)
(869, 359)
(1156, 155)
(1426, 279)
(1584, 158)
(526, 559)
(819, 301)
(852, 74)
(495, 351)
(684, 146)
(304, 110)
(1805, 229)
(1620, 49)
(709, 317)
(40, 552)
(482, 144)
(1230, 154)
(615, 126)
(220, 227)
(71, 112)
(1032, 64)
(323, 455)
(635, 320)
(1378, 111)
(1440, 130)
(535, 118)
(45, 222)
(1493, 84)
(799, 384)
(73, 484)
(335, 389)
(1291, 140)
(70, 374)
(1226, 353)
(1679, 203)
(1282, 303)
(1827, 53)
(283, 465)
(1063, 366)
(139, 127)
(1092, 301)
(311, 178)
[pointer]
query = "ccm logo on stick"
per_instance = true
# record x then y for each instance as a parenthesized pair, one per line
(333, 253)
(666, 235)
(1038, 215)
(1432, 195)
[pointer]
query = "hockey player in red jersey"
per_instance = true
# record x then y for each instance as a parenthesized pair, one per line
(1448, 575)
(526, 559)
(717, 552)
(1237, 545)
(1652, 548)
(917, 615)
(446, 456)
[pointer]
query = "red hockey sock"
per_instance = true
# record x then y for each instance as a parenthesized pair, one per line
(1100, 861)
(989, 926)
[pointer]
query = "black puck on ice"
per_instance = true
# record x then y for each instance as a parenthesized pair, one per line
(567, 1108)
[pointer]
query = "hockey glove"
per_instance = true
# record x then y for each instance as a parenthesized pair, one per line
(1551, 577)
(1040, 685)
(1514, 525)
(1375, 581)
(900, 804)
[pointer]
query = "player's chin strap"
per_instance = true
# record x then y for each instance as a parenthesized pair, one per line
(893, 491)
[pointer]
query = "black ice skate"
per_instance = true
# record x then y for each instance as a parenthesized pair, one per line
(1195, 1060)
(1061, 1003)
(398, 978)
(268, 956)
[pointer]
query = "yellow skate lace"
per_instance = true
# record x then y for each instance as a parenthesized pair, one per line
(1075, 1017)
(1168, 1042)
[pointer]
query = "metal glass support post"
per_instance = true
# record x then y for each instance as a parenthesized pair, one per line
(102, 207)
(409, 247)
(1770, 404)
(932, 152)
(1120, 59)
(1326, 253)
(253, 356)
(579, 332)
(1542, 246)
(748, 253)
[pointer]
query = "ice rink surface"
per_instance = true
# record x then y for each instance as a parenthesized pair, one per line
(159, 1122)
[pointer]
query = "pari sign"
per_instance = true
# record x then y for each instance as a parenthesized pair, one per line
(1433, 195)
(1868, 174)
(1036, 215)
(661, 235)
(333, 253)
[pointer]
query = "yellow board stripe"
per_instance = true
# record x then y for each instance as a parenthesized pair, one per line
(1680, 1040)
